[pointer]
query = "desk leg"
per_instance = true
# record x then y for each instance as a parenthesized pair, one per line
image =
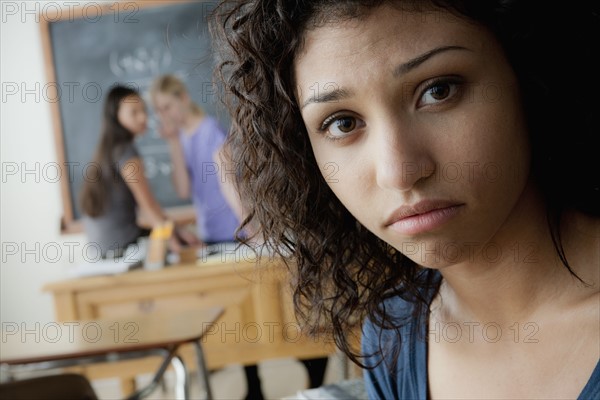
(202, 370)
(182, 388)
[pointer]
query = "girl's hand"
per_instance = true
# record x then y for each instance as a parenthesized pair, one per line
(186, 237)
(167, 129)
(182, 238)
(174, 245)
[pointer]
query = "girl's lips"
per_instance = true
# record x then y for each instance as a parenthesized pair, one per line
(423, 216)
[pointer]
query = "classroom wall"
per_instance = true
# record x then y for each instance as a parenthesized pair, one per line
(33, 250)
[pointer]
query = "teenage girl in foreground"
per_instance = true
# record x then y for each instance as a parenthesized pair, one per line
(429, 168)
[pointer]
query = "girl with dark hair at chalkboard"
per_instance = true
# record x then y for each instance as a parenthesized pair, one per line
(109, 199)
(196, 143)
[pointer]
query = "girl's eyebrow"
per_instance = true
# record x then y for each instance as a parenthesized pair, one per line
(415, 62)
(328, 97)
(340, 94)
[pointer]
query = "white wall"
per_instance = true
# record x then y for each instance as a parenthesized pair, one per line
(30, 206)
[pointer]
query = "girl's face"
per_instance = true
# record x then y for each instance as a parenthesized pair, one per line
(416, 124)
(171, 108)
(132, 114)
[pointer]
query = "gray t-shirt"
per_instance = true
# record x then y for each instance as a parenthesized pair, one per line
(116, 228)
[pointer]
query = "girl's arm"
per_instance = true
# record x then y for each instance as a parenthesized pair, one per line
(132, 172)
(180, 176)
(226, 167)
(133, 175)
(181, 179)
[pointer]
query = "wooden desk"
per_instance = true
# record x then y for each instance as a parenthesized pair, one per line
(258, 322)
(114, 339)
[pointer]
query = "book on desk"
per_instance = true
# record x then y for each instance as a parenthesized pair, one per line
(136, 256)
(132, 258)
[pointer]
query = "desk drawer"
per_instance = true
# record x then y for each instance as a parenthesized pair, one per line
(235, 302)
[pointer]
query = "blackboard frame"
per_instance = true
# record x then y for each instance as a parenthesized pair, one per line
(69, 222)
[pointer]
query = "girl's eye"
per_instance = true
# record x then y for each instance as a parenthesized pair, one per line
(439, 91)
(338, 127)
(343, 125)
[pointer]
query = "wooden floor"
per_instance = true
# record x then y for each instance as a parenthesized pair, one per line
(280, 378)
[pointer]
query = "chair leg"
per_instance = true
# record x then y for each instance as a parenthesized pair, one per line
(163, 385)
(202, 370)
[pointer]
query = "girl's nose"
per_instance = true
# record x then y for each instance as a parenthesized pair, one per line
(402, 157)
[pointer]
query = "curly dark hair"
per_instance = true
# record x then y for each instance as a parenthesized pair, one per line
(342, 272)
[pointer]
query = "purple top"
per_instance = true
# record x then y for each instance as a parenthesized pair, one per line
(215, 219)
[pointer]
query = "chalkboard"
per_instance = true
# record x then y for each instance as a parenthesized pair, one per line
(92, 48)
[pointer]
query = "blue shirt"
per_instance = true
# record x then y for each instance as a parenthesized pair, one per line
(407, 377)
(215, 220)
